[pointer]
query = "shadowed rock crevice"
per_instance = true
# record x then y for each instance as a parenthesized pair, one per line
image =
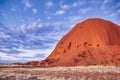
(69, 45)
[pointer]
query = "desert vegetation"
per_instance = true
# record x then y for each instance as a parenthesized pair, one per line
(61, 73)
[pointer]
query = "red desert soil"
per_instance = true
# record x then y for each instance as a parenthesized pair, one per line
(92, 42)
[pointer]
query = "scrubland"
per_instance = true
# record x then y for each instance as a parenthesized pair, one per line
(59, 73)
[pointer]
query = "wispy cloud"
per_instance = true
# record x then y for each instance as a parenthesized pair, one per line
(27, 3)
(25, 55)
(34, 10)
(78, 3)
(47, 14)
(35, 35)
(75, 18)
(116, 14)
(49, 4)
(85, 10)
(75, 4)
(4, 35)
(112, 11)
(113, 14)
(4, 56)
(60, 12)
(65, 6)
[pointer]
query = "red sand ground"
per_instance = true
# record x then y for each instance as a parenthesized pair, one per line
(92, 42)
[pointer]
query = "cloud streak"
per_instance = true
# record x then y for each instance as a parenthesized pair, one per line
(85, 10)
(34, 41)
(24, 55)
(60, 12)
(27, 3)
(49, 4)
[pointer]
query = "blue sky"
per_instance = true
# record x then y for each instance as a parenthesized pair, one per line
(30, 29)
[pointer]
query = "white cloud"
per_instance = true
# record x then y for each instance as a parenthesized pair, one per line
(27, 3)
(28, 53)
(65, 6)
(60, 12)
(34, 10)
(79, 3)
(31, 41)
(48, 17)
(75, 17)
(114, 14)
(117, 13)
(40, 25)
(23, 28)
(33, 25)
(49, 4)
(75, 4)
(25, 55)
(105, 9)
(85, 10)
(5, 56)
(3, 35)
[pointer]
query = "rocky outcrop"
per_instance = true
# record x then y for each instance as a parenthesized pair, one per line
(92, 42)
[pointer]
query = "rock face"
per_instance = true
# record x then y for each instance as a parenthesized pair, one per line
(92, 42)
